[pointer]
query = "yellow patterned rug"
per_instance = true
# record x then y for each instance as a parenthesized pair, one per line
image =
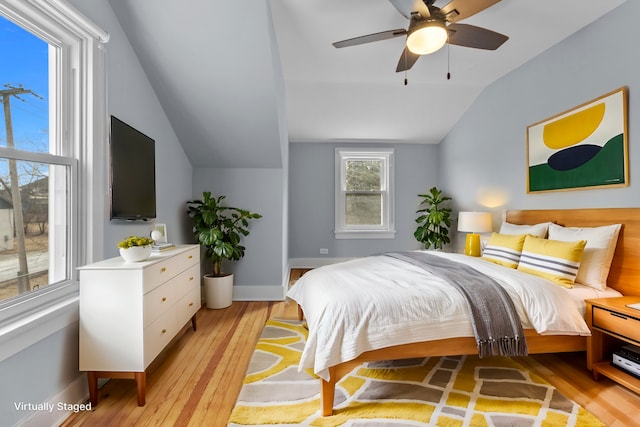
(438, 391)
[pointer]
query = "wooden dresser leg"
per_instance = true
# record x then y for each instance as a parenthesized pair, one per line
(141, 382)
(92, 377)
(300, 313)
(193, 323)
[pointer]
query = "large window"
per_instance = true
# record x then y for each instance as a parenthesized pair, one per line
(52, 151)
(364, 194)
(28, 178)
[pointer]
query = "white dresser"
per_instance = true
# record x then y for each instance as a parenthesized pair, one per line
(129, 312)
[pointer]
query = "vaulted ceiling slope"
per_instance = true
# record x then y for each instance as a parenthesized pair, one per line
(211, 62)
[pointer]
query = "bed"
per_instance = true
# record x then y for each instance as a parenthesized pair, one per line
(353, 340)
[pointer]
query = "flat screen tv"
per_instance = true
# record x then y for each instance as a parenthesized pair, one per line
(133, 173)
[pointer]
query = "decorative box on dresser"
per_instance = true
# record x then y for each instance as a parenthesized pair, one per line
(612, 325)
(129, 312)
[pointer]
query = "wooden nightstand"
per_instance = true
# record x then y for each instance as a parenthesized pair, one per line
(612, 324)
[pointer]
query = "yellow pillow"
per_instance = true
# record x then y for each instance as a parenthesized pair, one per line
(552, 259)
(504, 249)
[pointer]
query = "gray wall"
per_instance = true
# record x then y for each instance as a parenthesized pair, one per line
(486, 151)
(48, 367)
(312, 199)
(38, 373)
(262, 273)
(132, 99)
(257, 190)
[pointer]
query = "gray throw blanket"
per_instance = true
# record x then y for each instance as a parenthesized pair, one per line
(496, 324)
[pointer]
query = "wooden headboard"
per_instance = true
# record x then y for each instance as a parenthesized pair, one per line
(624, 275)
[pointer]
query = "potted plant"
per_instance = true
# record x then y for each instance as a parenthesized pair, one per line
(220, 230)
(135, 248)
(435, 220)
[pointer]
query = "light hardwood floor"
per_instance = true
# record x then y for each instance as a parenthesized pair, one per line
(195, 381)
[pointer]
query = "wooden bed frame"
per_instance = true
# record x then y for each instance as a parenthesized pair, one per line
(624, 276)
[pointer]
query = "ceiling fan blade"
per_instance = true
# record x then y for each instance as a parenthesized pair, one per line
(457, 10)
(407, 59)
(384, 35)
(476, 37)
(408, 7)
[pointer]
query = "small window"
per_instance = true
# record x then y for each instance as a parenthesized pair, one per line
(364, 194)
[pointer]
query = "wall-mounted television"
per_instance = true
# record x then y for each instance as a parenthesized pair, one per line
(133, 173)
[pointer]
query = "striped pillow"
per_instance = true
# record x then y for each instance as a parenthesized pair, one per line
(504, 249)
(552, 259)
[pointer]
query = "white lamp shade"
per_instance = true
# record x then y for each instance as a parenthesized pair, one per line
(474, 222)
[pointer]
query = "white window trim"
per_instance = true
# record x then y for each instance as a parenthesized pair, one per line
(28, 318)
(387, 229)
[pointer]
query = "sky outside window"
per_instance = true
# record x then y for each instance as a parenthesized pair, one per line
(24, 214)
(25, 64)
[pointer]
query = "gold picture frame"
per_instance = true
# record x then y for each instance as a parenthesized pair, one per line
(583, 148)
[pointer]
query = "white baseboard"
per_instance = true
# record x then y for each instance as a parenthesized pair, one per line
(74, 398)
(314, 262)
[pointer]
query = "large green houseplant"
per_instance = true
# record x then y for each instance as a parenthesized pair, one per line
(434, 220)
(219, 228)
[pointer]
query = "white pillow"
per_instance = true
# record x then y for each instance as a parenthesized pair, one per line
(537, 230)
(598, 253)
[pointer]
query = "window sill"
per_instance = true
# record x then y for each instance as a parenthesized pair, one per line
(41, 316)
(365, 234)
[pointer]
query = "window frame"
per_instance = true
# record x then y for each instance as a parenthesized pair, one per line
(78, 127)
(386, 230)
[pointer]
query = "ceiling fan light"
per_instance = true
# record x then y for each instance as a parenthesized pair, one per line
(427, 37)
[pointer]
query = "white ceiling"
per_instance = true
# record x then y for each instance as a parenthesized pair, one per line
(214, 68)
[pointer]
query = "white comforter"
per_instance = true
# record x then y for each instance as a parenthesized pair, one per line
(375, 302)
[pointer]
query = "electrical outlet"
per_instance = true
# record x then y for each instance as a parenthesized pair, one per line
(324, 251)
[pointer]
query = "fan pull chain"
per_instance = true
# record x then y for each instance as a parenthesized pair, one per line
(404, 54)
(448, 61)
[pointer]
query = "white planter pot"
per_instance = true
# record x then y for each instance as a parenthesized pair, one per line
(218, 291)
(135, 253)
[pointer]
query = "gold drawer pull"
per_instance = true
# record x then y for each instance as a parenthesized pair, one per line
(164, 299)
(191, 278)
(164, 331)
(190, 256)
(163, 269)
(190, 304)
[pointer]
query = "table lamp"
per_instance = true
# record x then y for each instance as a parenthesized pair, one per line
(473, 223)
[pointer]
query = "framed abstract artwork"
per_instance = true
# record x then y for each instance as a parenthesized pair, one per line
(583, 148)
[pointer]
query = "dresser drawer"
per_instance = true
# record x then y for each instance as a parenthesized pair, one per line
(619, 324)
(158, 301)
(190, 257)
(188, 306)
(159, 272)
(188, 280)
(158, 334)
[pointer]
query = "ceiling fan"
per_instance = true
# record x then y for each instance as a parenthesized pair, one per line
(430, 27)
